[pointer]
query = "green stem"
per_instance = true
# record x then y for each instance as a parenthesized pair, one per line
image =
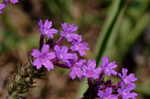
(104, 37)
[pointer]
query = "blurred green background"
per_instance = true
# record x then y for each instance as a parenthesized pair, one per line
(119, 29)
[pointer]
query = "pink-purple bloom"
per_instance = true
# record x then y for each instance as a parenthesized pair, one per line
(13, 1)
(76, 69)
(108, 68)
(90, 70)
(68, 29)
(107, 94)
(63, 54)
(127, 85)
(69, 32)
(125, 91)
(46, 28)
(66, 56)
(2, 6)
(4, 3)
(121, 90)
(127, 78)
(81, 48)
(43, 57)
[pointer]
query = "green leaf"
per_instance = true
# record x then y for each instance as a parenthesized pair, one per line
(106, 33)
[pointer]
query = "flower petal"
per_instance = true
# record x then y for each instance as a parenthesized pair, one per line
(35, 53)
(48, 64)
(37, 63)
(45, 48)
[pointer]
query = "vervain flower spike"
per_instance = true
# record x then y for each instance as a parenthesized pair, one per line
(66, 49)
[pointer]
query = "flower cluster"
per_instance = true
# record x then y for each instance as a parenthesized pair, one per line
(63, 48)
(109, 89)
(4, 3)
(66, 49)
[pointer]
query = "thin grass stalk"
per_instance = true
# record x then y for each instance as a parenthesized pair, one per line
(106, 33)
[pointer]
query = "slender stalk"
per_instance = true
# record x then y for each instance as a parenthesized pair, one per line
(104, 37)
(91, 92)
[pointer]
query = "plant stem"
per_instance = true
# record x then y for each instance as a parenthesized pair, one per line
(104, 37)
(22, 81)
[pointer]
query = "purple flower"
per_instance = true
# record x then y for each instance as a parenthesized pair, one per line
(68, 31)
(43, 57)
(106, 94)
(90, 70)
(11, 1)
(2, 6)
(127, 78)
(73, 38)
(63, 55)
(14, 1)
(125, 91)
(108, 68)
(46, 30)
(76, 70)
(80, 47)
(68, 28)
(4, 3)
